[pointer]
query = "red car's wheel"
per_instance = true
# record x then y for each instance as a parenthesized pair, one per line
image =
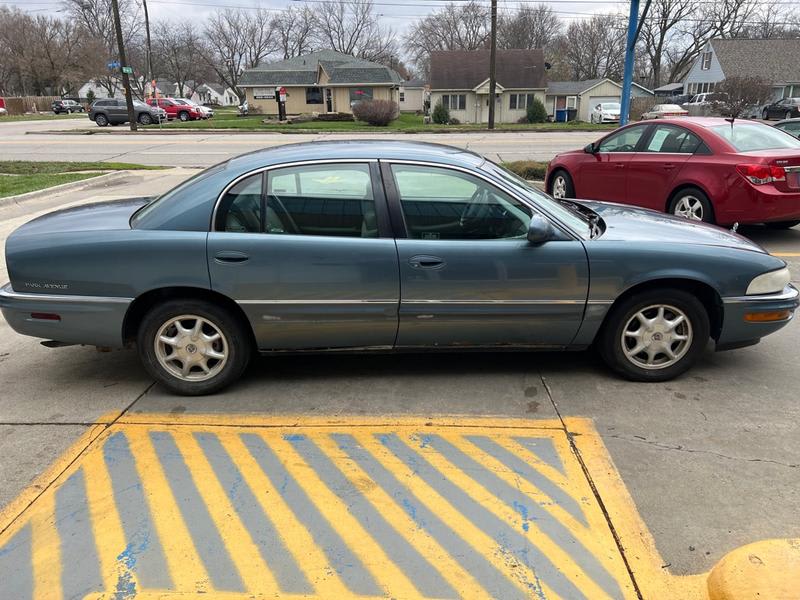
(693, 204)
(561, 185)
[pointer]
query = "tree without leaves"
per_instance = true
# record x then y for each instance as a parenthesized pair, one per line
(593, 48)
(535, 26)
(660, 30)
(294, 28)
(351, 27)
(175, 53)
(742, 93)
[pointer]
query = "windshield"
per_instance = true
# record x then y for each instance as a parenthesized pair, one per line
(571, 219)
(610, 106)
(748, 137)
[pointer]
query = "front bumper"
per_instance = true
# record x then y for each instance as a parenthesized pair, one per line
(91, 320)
(737, 331)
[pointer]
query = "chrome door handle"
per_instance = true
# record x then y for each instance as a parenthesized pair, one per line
(231, 256)
(424, 261)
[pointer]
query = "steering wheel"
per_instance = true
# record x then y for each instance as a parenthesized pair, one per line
(475, 210)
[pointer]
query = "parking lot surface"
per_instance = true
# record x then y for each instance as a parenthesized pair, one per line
(710, 460)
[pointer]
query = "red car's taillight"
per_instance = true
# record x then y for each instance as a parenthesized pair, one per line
(761, 174)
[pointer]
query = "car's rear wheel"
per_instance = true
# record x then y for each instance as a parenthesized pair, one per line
(788, 115)
(145, 119)
(101, 120)
(561, 185)
(782, 224)
(693, 204)
(193, 347)
(765, 114)
(183, 116)
(655, 335)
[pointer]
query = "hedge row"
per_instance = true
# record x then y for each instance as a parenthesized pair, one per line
(527, 169)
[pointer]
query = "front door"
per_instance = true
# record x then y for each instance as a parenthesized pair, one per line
(307, 253)
(468, 275)
(603, 175)
(328, 100)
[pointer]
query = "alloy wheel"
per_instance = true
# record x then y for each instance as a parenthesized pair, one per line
(689, 207)
(559, 187)
(191, 348)
(657, 337)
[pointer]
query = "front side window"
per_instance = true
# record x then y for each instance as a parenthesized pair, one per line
(623, 141)
(673, 140)
(444, 204)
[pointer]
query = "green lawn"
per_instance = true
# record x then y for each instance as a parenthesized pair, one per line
(41, 117)
(407, 123)
(11, 185)
(32, 167)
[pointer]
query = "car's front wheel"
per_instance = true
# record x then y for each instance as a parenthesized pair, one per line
(692, 204)
(655, 335)
(145, 119)
(193, 347)
(561, 185)
(183, 116)
(765, 114)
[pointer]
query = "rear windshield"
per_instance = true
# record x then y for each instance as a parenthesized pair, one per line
(747, 137)
(610, 106)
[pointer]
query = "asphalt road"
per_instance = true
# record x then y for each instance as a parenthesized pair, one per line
(711, 459)
(26, 141)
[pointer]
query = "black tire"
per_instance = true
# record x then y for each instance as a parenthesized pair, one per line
(788, 115)
(610, 340)
(234, 343)
(183, 116)
(692, 197)
(145, 119)
(568, 186)
(782, 224)
(101, 120)
(765, 114)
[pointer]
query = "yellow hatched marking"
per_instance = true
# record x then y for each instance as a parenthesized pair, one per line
(382, 568)
(559, 557)
(298, 540)
(255, 573)
(107, 527)
(185, 567)
(601, 547)
(481, 543)
(46, 550)
(460, 579)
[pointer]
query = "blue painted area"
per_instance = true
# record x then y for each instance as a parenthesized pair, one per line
(126, 586)
(294, 437)
(16, 567)
(523, 512)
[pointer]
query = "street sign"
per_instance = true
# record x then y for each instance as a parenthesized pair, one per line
(128, 70)
(114, 64)
(282, 94)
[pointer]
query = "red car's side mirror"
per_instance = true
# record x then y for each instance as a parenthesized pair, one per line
(590, 149)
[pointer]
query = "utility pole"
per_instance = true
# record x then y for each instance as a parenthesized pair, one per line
(126, 82)
(492, 58)
(149, 76)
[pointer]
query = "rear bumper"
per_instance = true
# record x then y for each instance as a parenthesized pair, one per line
(91, 320)
(738, 332)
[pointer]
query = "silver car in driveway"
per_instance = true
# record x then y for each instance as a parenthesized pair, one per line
(383, 246)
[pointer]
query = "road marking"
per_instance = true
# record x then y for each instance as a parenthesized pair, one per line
(784, 254)
(172, 507)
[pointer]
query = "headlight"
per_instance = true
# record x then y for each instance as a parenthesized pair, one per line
(769, 283)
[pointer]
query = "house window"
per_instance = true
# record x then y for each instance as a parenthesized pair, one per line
(402, 96)
(520, 101)
(572, 101)
(454, 101)
(359, 95)
(705, 65)
(313, 95)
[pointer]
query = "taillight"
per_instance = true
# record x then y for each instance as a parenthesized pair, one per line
(761, 174)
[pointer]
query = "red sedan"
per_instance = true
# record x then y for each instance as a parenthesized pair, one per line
(708, 169)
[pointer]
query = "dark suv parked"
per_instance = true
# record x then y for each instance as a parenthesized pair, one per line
(66, 106)
(115, 111)
(786, 108)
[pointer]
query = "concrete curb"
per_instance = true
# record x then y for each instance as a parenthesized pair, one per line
(769, 569)
(64, 187)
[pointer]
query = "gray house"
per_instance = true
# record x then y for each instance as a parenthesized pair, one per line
(776, 61)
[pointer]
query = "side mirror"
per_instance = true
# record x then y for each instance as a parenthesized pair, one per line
(540, 230)
(589, 149)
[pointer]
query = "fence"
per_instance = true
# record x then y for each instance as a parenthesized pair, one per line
(20, 105)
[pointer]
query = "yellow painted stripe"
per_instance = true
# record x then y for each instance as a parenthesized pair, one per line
(786, 254)
(537, 536)
(305, 551)
(481, 543)
(431, 551)
(383, 569)
(106, 523)
(46, 550)
(185, 567)
(255, 573)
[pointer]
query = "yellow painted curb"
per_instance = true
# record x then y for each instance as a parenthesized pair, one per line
(768, 570)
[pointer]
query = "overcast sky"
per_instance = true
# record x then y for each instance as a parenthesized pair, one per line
(397, 14)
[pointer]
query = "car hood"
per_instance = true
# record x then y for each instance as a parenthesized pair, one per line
(632, 224)
(115, 214)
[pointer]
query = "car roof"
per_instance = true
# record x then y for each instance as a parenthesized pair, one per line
(356, 149)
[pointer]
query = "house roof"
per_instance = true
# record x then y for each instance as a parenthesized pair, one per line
(466, 69)
(670, 87)
(304, 70)
(415, 83)
(576, 88)
(777, 61)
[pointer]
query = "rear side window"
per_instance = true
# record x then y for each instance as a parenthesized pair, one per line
(241, 209)
(673, 140)
(749, 137)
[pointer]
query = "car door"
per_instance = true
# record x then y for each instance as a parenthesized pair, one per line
(603, 175)
(651, 171)
(307, 253)
(118, 111)
(468, 275)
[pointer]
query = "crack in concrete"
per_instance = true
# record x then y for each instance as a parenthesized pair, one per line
(662, 446)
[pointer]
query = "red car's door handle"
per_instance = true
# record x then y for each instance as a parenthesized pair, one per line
(619, 165)
(668, 166)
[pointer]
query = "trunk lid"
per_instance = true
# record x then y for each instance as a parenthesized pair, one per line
(115, 214)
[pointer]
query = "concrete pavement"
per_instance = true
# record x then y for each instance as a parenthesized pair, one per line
(711, 459)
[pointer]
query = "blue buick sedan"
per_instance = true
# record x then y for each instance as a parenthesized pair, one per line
(383, 246)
